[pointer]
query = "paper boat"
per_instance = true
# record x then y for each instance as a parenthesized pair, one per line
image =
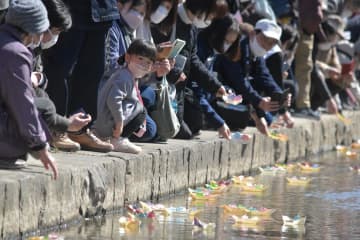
(214, 188)
(351, 154)
(271, 169)
(201, 195)
(157, 208)
(261, 212)
(253, 188)
(130, 223)
(235, 210)
(298, 180)
(306, 167)
(232, 99)
(246, 220)
(242, 180)
(355, 145)
(355, 169)
(199, 225)
(296, 221)
(341, 149)
(287, 167)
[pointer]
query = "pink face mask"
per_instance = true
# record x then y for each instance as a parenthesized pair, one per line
(138, 70)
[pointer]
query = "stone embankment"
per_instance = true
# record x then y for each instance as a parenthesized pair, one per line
(92, 183)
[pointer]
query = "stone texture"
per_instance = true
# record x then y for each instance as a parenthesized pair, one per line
(93, 183)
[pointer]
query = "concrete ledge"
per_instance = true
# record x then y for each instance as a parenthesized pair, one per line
(93, 183)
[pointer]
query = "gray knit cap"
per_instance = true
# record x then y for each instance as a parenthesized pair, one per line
(4, 4)
(29, 15)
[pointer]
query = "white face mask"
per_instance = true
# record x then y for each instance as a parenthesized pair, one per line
(133, 18)
(138, 70)
(325, 46)
(159, 15)
(226, 46)
(51, 42)
(201, 23)
(256, 49)
(34, 45)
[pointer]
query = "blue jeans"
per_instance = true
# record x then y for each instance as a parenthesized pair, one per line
(149, 97)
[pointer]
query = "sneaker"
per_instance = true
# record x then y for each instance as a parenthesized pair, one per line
(12, 164)
(124, 145)
(307, 113)
(88, 141)
(64, 143)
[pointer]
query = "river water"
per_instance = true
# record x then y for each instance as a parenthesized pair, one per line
(330, 202)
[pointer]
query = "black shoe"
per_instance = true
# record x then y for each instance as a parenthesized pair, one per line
(307, 113)
(12, 164)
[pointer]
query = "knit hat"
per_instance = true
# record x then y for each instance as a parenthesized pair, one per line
(4, 4)
(29, 15)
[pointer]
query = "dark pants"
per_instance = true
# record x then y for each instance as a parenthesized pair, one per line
(321, 90)
(74, 67)
(134, 125)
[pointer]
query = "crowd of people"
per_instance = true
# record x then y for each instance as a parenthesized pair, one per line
(104, 75)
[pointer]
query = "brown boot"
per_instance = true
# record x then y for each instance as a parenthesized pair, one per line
(90, 142)
(64, 143)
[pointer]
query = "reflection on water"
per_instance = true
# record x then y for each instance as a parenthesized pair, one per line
(331, 203)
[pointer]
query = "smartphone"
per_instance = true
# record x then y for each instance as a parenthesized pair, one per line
(178, 45)
(81, 110)
(180, 62)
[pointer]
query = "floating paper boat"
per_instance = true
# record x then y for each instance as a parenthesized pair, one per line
(215, 188)
(246, 220)
(288, 167)
(272, 169)
(157, 208)
(260, 212)
(351, 154)
(238, 210)
(341, 149)
(130, 223)
(296, 221)
(199, 225)
(250, 187)
(242, 180)
(307, 167)
(355, 168)
(196, 194)
(355, 145)
(298, 180)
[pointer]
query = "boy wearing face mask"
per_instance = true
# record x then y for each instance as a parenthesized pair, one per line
(120, 106)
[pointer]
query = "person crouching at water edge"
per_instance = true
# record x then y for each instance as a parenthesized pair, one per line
(120, 108)
(22, 129)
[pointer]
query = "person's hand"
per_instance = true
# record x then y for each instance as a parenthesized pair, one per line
(221, 92)
(172, 62)
(224, 131)
(268, 106)
(331, 106)
(333, 73)
(78, 121)
(348, 78)
(35, 78)
(162, 67)
(118, 129)
(260, 123)
(182, 78)
(48, 161)
(285, 75)
(289, 121)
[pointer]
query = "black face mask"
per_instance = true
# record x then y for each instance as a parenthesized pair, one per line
(2, 16)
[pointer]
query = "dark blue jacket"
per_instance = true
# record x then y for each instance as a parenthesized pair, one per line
(92, 14)
(247, 77)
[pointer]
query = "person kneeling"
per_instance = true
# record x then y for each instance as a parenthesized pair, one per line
(120, 108)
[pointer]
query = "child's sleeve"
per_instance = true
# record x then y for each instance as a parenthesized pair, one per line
(114, 102)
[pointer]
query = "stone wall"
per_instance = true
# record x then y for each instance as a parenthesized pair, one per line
(93, 183)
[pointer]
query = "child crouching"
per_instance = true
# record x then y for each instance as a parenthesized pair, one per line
(119, 106)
